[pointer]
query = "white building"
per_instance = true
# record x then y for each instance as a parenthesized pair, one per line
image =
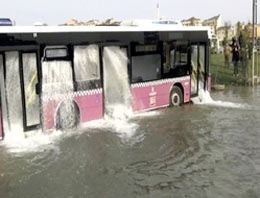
(192, 22)
(214, 23)
(231, 31)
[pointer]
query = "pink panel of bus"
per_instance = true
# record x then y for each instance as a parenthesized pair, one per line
(90, 104)
(155, 94)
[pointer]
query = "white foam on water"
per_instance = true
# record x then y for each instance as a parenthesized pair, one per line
(118, 112)
(35, 141)
(119, 121)
(204, 98)
(147, 114)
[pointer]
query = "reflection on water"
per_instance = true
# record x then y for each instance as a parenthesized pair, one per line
(191, 151)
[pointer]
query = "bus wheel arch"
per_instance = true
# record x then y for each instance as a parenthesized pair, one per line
(67, 115)
(176, 95)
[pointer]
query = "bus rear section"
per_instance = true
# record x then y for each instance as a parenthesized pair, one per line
(168, 73)
(160, 75)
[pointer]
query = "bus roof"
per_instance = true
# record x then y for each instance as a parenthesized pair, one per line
(77, 29)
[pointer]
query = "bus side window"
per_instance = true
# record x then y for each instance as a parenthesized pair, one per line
(176, 65)
(146, 67)
(146, 62)
(172, 58)
(87, 67)
(56, 70)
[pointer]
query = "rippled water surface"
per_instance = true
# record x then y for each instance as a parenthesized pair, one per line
(204, 150)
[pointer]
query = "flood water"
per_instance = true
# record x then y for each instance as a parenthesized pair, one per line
(205, 150)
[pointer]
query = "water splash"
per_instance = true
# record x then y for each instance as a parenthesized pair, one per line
(118, 108)
(116, 83)
(56, 78)
(32, 142)
(57, 82)
(12, 96)
(147, 114)
(118, 111)
(204, 98)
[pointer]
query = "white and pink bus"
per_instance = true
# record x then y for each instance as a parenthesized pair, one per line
(60, 77)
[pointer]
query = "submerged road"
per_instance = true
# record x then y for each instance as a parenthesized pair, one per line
(205, 150)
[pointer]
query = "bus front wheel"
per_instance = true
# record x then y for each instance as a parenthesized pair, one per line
(176, 97)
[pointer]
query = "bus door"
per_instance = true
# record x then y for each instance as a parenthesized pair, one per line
(194, 70)
(202, 66)
(115, 76)
(198, 65)
(20, 103)
(11, 90)
(29, 74)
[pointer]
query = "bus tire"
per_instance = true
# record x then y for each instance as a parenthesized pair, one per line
(67, 116)
(176, 96)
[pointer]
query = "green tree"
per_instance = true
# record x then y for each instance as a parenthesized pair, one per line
(226, 29)
(246, 38)
(239, 28)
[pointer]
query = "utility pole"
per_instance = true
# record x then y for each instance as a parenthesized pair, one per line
(158, 11)
(254, 22)
(256, 44)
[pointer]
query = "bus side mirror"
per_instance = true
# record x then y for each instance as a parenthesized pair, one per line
(38, 88)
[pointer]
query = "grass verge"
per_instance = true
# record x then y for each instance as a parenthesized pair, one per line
(224, 75)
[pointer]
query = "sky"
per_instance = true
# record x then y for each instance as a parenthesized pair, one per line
(54, 12)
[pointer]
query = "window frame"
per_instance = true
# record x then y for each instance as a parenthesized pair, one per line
(100, 79)
(178, 47)
(57, 47)
(134, 53)
(99, 62)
